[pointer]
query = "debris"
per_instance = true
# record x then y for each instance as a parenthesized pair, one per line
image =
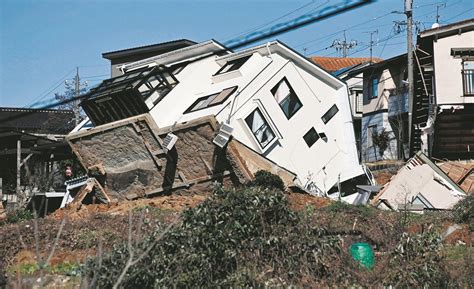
(419, 184)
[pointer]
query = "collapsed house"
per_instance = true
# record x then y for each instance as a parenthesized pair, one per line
(419, 185)
(270, 99)
(32, 146)
(133, 159)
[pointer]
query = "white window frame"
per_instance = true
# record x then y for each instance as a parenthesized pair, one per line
(270, 123)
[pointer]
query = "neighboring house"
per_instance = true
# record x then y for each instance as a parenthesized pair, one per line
(420, 184)
(276, 102)
(343, 67)
(31, 141)
(385, 109)
(443, 108)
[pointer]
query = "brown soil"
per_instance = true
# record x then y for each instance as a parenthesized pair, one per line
(383, 177)
(299, 201)
(176, 203)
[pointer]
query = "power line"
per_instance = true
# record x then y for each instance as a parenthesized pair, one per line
(276, 19)
(278, 29)
(345, 29)
(49, 90)
(352, 27)
(462, 13)
(297, 23)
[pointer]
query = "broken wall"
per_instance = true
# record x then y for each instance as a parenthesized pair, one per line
(129, 159)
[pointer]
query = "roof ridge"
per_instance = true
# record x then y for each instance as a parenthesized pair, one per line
(24, 109)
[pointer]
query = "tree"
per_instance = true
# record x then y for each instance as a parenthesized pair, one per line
(381, 140)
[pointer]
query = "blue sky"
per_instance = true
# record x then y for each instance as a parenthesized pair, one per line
(42, 41)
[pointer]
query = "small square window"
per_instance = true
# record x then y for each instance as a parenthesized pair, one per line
(232, 65)
(330, 113)
(311, 137)
(211, 100)
(286, 98)
(260, 128)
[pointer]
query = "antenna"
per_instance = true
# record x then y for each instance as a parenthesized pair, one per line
(437, 11)
(343, 45)
(372, 42)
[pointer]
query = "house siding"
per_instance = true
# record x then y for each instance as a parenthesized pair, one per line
(448, 77)
(370, 153)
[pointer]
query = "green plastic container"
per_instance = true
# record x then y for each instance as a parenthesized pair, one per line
(363, 253)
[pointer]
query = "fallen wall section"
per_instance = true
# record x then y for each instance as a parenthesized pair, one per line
(128, 157)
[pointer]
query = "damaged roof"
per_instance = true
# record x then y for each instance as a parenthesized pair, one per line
(31, 120)
(420, 180)
(461, 173)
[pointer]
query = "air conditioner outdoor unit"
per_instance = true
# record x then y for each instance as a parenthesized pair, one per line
(223, 136)
(169, 141)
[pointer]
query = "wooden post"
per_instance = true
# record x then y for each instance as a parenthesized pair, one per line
(18, 166)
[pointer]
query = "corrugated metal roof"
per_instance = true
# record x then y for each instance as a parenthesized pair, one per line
(332, 64)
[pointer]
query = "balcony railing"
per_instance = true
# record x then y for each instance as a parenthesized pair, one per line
(468, 82)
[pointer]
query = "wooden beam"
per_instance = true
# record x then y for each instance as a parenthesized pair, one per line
(18, 165)
(15, 151)
(26, 159)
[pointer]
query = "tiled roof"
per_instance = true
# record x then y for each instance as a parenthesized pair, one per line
(36, 120)
(332, 64)
(461, 173)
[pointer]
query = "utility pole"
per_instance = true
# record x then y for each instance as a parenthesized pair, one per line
(77, 90)
(411, 84)
(343, 45)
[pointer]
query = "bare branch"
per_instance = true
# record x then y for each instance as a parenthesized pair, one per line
(63, 222)
(131, 262)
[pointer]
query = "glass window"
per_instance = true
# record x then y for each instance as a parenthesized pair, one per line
(260, 128)
(374, 87)
(211, 100)
(359, 102)
(286, 98)
(330, 113)
(311, 137)
(468, 77)
(232, 65)
(370, 133)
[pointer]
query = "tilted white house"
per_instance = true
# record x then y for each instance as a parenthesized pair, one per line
(276, 102)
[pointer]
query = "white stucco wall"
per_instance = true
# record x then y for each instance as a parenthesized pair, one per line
(324, 162)
(448, 78)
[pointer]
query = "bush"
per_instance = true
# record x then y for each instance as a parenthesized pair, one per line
(268, 180)
(463, 211)
(232, 239)
(18, 216)
(415, 262)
